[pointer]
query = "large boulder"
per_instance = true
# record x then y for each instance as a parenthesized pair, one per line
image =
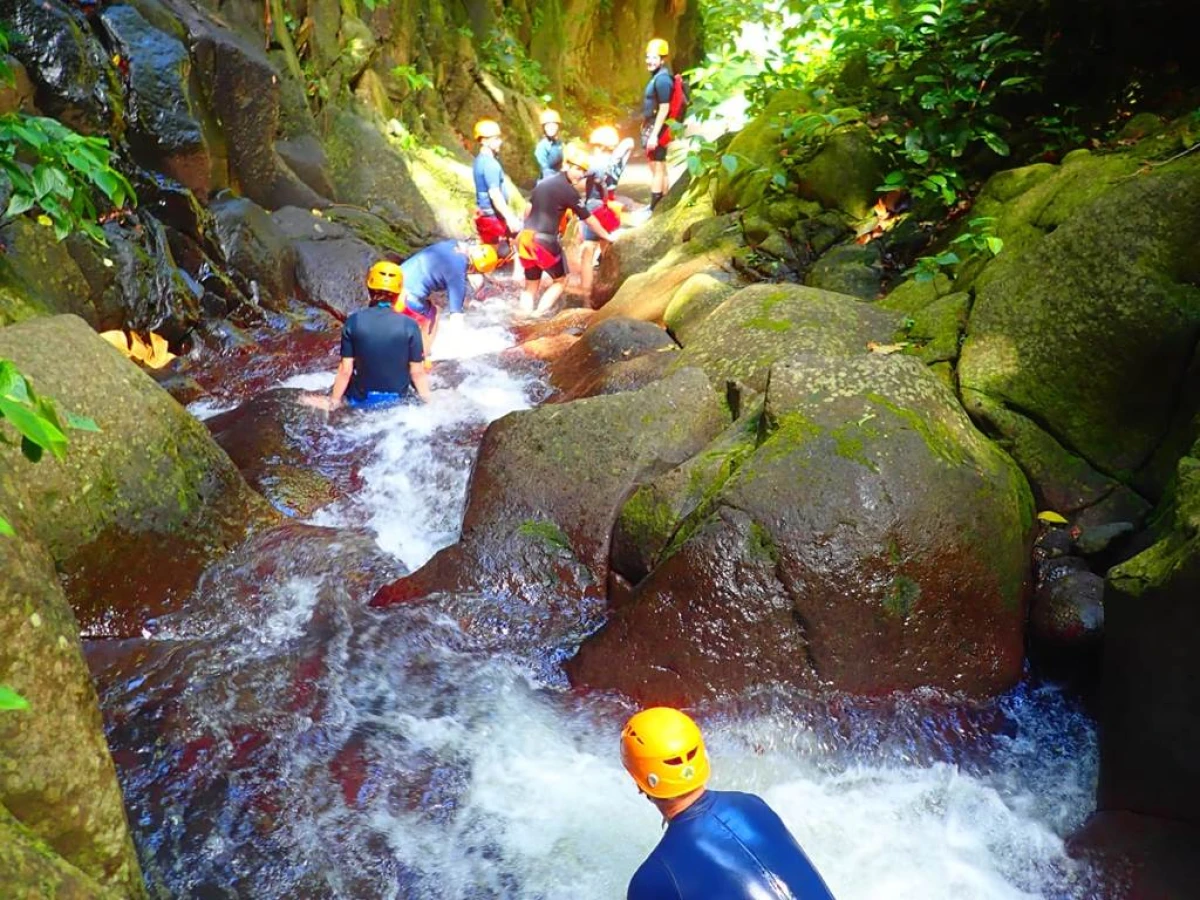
(1082, 333)
(164, 128)
(257, 249)
(618, 354)
(151, 482)
(859, 534)
(38, 276)
(57, 781)
(532, 562)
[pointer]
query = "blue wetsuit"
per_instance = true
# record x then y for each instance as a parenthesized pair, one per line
(731, 846)
(382, 343)
(549, 156)
(439, 267)
(488, 174)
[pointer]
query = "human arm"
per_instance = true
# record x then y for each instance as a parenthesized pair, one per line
(652, 881)
(420, 379)
(600, 230)
(500, 202)
(341, 381)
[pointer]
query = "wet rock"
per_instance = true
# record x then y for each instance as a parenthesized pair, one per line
(17, 96)
(1068, 611)
(589, 364)
(257, 249)
(266, 439)
(174, 204)
(920, 580)
(530, 567)
(305, 156)
(1096, 539)
(1139, 856)
(332, 274)
(164, 129)
(38, 276)
(370, 228)
(75, 81)
(242, 88)
(1108, 260)
(152, 471)
(58, 786)
(851, 269)
(694, 300)
(1053, 543)
(1059, 567)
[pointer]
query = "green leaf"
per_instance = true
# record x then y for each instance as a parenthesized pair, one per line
(729, 163)
(18, 204)
(32, 426)
(995, 142)
(994, 244)
(10, 699)
(5, 528)
(947, 258)
(84, 423)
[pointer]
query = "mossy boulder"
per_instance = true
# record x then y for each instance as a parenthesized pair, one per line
(755, 149)
(1150, 716)
(62, 817)
(38, 276)
(617, 354)
(764, 324)
(863, 537)
(1087, 322)
(152, 472)
(531, 567)
(854, 269)
(844, 173)
(694, 301)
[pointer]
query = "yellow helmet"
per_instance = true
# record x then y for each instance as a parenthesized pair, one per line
(483, 257)
(664, 752)
(385, 276)
(657, 47)
(575, 154)
(605, 136)
(486, 128)
(551, 115)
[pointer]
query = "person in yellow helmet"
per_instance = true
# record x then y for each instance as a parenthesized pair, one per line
(450, 266)
(718, 843)
(609, 156)
(496, 200)
(549, 150)
(382, 352)
(656, 106)
(539, 245)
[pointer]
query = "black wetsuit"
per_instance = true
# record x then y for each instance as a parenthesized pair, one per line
(382, 343)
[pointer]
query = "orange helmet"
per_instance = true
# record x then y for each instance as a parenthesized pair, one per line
(486, 128)
(664, 752)
(483, 257)
(575, 154)
(657, 47)
(385, 276)
(549, 116)
(605, 136)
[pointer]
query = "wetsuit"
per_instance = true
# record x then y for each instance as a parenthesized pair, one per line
(728, 845)
(549, 156)
(382, 344)
(658, 91)
(489, 174)
(439, 267)
(538, 245)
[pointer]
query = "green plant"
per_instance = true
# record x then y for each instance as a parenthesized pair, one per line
(978, 240)
(36, 420)
(506, 58)
(11, 700)
(416, 81)
(55, 170)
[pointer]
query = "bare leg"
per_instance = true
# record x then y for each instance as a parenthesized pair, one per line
(587, 256)
(528, 295)
(550, 297)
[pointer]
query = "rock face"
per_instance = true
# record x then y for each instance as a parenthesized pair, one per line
(57, 781)
(857, 533)
(1082, 333)
(533, 558)
(618, 354)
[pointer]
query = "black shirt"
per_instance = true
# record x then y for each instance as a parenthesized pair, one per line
(658, 91)
(549, 200)
(382, 343)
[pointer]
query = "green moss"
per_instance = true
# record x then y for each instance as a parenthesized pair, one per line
(938, 437)
(848, 444)
(647, 517)
(761, 546)
(548, 533)
(763, 323)
(902, 596)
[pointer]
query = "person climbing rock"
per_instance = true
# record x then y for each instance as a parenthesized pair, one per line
(382, 354)
(717, 843)
(496, 200)
(656, 105)
(539, 245)
(548, 152)
(449, 266)
(610, 154)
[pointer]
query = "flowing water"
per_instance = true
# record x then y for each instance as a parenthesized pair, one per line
(279, 739)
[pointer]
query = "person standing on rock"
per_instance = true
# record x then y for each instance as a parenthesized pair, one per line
(382, 353)
(549, 151)
(656, 106)
(539, 245)
(717, 843)
(449, 266)
(609, 157)
(496, 199)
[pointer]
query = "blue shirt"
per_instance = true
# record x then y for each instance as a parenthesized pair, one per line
(658, 91)
(549, 156)
(488, 174)
(382, 343)
(439, 267)
(731, 846)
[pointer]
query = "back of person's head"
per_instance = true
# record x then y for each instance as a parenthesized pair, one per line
(663, 751)
(385, 281)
